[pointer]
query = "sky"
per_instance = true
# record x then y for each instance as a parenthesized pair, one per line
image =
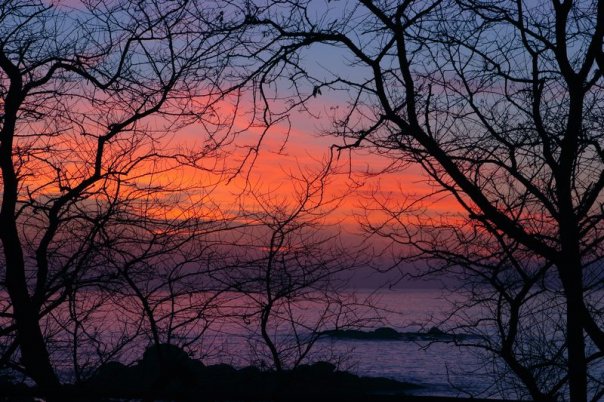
(303, 149)
(298, 149)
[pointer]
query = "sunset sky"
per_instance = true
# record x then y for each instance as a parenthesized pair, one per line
(302, 148)
(298, 147)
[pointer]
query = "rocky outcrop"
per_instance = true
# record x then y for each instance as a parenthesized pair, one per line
(390, 334)
(182, 376)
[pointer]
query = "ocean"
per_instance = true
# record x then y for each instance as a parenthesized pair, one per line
(439, 368)
(225, 329)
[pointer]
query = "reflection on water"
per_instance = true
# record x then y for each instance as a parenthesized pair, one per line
(442, 368)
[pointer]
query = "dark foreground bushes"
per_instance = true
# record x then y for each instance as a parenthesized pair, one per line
(168, 373)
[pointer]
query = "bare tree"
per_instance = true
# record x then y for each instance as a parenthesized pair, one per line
(88, 95)
(500, 102)
(506, 304)
(291, 268)
(152, 277)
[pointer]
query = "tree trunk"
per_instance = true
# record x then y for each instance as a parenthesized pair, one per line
(266, 312)
(33, 350)
(34, 353)
(571, 274)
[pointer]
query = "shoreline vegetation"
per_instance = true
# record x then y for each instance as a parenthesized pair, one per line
(168, 373)
(390, 334)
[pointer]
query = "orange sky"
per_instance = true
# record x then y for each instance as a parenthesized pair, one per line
(300, 150)
(296, 150)
(290, 150)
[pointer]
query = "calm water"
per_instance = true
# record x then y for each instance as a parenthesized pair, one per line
(441, 368)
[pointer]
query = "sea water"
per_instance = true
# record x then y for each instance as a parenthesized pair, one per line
(440, 368)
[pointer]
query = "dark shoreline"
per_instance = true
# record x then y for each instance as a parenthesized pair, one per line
(434, 334)
(168, 373)
(81, 394)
